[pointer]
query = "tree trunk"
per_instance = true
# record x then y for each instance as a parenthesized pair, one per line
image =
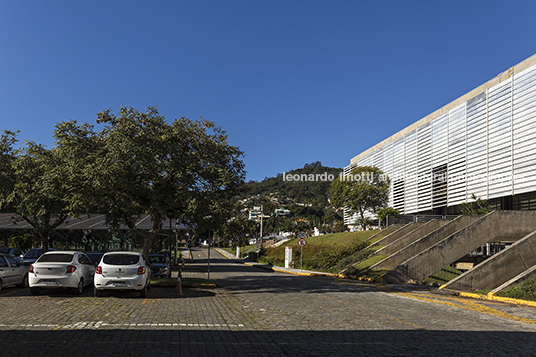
(149, 236)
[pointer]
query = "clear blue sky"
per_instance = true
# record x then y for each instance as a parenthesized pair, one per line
(292, 82)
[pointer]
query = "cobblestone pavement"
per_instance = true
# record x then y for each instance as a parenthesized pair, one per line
(262, 313)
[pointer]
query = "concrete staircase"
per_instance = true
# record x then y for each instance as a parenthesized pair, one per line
(413, 247)
(511, 265)
(495, 226)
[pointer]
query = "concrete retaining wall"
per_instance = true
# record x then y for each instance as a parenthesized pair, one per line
(499, 268)
(424, 243)
(495, 226)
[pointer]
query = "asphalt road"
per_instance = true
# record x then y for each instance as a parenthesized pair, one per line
(255, 312)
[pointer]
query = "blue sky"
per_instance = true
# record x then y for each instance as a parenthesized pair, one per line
(292, 82)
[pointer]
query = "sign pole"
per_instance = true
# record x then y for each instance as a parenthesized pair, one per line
(301, 259)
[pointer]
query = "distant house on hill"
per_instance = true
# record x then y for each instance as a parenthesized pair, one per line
(254, 214)
(281, 212)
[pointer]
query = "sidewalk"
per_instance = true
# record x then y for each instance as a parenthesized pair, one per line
(273, 267)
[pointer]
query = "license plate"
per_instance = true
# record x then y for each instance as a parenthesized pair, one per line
(48, 281)
(119, 283)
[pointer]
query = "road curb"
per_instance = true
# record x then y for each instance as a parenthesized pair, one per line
(493, 297)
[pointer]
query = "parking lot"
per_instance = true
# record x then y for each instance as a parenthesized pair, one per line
(259, 312)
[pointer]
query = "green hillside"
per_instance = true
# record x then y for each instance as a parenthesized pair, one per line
(313, 186)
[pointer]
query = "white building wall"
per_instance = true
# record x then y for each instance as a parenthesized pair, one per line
(486, 146)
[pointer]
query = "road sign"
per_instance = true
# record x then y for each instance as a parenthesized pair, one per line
(302, 234)
(302, 242)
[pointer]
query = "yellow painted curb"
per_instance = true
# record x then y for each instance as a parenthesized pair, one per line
(442, 287)
(493, 297)
(292, 272)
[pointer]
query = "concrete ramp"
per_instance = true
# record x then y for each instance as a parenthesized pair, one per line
(499, 268)
(495, 226)
(411, 237)
(424, 242)
(386, 231)
(516, 281)
(402, 231)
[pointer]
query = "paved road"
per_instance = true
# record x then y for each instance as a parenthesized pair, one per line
(258, 312)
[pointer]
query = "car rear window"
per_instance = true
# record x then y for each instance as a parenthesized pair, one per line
(121, 259)
(157, 259)
(56, 258)
(34, 253)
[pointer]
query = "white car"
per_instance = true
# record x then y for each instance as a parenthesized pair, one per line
(61, 269)
(12, 273)
(122, 271)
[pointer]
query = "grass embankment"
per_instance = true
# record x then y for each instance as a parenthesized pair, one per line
(367, 263)
(330, 252)
(526, 291)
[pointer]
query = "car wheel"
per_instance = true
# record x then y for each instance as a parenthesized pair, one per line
(143, 292)
(98, 293)
(24, 283)
(80, 287)
(35, 291)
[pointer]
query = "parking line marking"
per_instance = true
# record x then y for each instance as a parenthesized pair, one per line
(93, 325)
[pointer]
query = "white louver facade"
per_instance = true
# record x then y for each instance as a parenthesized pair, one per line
(483, 143)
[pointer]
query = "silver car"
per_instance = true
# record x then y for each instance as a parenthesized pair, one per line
(12, 273)
(61, 269)
(122, 271)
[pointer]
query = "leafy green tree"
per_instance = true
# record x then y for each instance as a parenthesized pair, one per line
(7, 157)
(387, 211)
(38, 194)
(476, 208)
(139, 163)
(366, 188)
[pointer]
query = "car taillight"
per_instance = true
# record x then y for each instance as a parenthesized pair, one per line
(70, 269)
(141, 270)
(30, 269)
(99, 270)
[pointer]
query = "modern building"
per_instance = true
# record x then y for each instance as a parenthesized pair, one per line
(482, 144)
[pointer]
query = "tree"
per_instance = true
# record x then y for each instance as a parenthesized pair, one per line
(38, 192)
(365, 189)
(476, 208)
(141, 164)
(7, 156)
(387, 211)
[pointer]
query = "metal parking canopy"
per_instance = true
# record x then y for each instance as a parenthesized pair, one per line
(91, 221)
